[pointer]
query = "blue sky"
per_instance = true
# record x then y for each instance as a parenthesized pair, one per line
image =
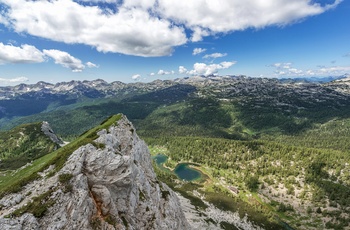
(144, 40)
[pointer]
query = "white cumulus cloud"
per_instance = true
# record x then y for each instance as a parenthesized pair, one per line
(65, 59)
(182, 70)
(206, 70)
(215, 55)
(149, 27)
(129, 30)
(30, 54)
(288, 70)
(136, 77)
(23, 54)
(282, 65)
(163, 72)
(197, 51)
(91, 65)
(205, 17)
(145, 4)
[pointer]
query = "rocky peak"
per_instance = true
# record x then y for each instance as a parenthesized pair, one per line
(47, 130)
(109, 184)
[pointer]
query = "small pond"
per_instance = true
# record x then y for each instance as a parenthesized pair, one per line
(160, 159)
(182, 170)
(185, 172)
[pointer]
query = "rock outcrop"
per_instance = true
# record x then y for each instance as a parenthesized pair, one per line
(112, 186)
(47, 130)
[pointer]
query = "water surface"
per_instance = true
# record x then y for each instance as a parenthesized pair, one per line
(185, 172)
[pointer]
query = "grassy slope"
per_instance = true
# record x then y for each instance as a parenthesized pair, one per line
(13, 181)
(71, 123)
(22, 145)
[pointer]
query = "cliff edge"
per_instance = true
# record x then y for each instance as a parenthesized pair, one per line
(108, 184)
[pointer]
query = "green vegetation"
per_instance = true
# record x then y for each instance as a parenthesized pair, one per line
(71, 123)
(22, 145)
(125, 222)
(72, 119)
(37, 207)
(64, 180)
(333, 134)
(197, 117)
(95, 223)
(262, 166)
(111, 220)
(141, 196)
(26, 105)
(252, 183)
(217, 195)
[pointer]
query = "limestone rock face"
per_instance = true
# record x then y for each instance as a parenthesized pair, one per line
(27, 221)
(111, 187)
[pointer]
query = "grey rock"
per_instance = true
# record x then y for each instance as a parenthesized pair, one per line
(26, 221)
(47, 130)
(111, 188)
(11, 200)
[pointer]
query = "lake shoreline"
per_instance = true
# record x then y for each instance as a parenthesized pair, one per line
(192, 173)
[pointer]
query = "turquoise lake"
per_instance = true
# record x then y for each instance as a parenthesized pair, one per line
(183, 170)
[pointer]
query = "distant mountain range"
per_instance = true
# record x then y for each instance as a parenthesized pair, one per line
(315, 79)
(99, 88)
(95, 100)
(285, 94)
(91, 89)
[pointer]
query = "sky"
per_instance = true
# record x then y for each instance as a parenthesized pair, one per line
(145, 40)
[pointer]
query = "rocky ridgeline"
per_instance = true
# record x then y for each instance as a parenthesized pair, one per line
(237, 85)
(110, 187)
(92, 89)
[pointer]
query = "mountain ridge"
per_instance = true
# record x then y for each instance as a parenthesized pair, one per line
(106, 185)
(100, 88)
(291, 105)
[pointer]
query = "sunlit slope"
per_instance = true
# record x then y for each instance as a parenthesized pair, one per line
(23, 144)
